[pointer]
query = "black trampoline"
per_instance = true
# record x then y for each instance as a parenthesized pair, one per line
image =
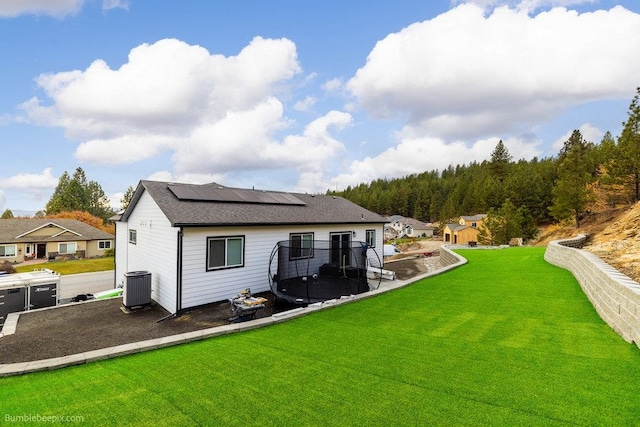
(319, 270)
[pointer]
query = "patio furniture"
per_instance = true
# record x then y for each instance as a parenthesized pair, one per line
(244, 306)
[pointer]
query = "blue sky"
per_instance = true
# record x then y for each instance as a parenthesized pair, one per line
(299, 96)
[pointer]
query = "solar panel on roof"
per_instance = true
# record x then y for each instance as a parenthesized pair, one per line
(280, 199)
(210, 193)
(231, 195)
(184, 192)
(292, 199)
(207, 193)
(248, 196)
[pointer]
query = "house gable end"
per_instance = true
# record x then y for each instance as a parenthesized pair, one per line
(49, 229)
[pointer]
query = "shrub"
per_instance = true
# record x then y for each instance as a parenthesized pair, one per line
(7, 267)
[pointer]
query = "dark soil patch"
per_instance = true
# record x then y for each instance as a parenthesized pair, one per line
(407, 268)
(78, 328)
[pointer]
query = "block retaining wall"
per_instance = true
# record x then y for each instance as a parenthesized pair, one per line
(615, 296)
(448, 257)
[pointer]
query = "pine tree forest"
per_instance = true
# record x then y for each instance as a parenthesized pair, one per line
(558, 188)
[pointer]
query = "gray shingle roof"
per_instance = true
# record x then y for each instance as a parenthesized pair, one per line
(474, 217)
(457, 227)
(317, 209)
(10, 229)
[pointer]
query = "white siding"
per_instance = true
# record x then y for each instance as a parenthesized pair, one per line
(200, 286)
(155, 250)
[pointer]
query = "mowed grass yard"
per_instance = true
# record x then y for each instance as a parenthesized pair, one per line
(87, 265)
(505, 340)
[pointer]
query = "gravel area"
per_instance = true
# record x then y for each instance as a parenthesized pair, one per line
(92, 325)
(77, 328)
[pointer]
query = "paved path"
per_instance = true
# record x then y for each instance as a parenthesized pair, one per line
(86, 283)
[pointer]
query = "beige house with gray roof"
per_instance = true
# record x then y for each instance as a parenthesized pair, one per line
(24, 239)
(465, 231)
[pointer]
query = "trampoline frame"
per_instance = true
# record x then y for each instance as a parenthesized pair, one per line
(326, 270)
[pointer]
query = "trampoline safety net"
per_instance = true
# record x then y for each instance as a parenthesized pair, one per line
(319, 270)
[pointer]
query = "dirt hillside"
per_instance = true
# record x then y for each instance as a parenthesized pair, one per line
(614, 237)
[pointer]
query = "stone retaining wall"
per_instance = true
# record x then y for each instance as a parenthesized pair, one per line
(615, 296)
(448, 257)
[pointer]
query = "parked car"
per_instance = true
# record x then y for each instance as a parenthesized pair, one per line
(390, 250)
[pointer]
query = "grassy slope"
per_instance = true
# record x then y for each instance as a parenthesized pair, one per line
(505, 340)
(87, 265)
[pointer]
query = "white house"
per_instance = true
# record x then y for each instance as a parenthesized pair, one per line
(408, 227)
(206, 243)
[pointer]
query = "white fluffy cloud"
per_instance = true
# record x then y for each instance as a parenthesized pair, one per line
(464, 77)
(215, 113)
(587, 130)
(31, 182)
(57, 8)
(35, 185)
(525, 5)
(465, 74)
(454, 85)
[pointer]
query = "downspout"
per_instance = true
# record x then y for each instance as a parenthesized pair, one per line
(179, 272)
(115, 257)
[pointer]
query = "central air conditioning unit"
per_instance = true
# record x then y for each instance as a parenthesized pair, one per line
(137, 289)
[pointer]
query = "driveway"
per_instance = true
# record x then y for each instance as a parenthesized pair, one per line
(85, 283)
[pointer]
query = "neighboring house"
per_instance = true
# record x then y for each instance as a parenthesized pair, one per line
(25, 239)
(464, 231)
(399, 226)
(205, 243)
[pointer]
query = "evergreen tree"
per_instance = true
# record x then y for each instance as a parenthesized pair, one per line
(7, 214)
(500, 160)
(528, 224)
(570, 193)
(627, 165)
(76, 194)
(606, 150)
(435, 207)
(98, 201)
(128, 195)
(489, 228)
(510, 224)
(491, 192)
(58, 202)
(502, 225)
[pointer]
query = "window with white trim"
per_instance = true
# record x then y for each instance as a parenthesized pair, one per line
(67, 248)
(301, 245)
(225, 252)
(371, 238)
(104, 244)
(7, 251)
(133, 236)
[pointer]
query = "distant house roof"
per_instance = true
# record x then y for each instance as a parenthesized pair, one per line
(457, 227)
(212, 204)
(409, 221)
(25, 230)
(474, 217)
(418, 225)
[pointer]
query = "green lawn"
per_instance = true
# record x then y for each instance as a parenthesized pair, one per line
(87, 265)
(506, 339)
